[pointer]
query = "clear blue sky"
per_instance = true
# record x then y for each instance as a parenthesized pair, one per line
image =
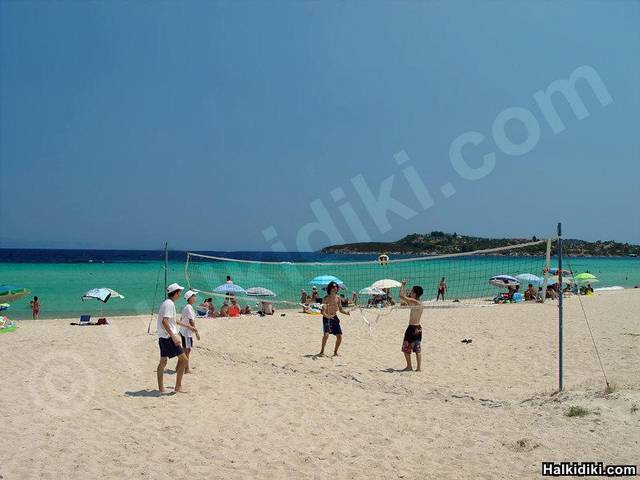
(125, 124)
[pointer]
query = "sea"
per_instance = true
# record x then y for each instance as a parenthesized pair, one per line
(60, 277)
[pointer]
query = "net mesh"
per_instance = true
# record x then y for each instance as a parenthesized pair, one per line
(467, 274)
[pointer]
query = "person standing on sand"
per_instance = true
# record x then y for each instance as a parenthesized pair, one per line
(412, 341)
(188, 326)
(442, 288)
(330, 322)
(35, 307)
(169, 340)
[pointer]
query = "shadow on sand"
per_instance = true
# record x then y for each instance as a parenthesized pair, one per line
(391, 370)
(146, 393)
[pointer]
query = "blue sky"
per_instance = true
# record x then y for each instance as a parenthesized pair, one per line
(125, 124)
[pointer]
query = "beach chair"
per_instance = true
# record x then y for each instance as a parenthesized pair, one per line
(84, 319)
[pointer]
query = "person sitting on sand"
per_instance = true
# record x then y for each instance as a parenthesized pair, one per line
(314, 295)
(589, 289)
(234, 308)
(209, 307)
(330, 322)
(412, 340)
(266, 308)
(530, 293)
(224, 309)
(354, 298)
(304, 298)
(187, 324)
(169, 340)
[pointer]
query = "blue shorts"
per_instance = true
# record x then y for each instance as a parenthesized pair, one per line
(331, 325)
(187, 342)
(168, 348)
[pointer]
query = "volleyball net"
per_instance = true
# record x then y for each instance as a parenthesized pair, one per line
(466, 275)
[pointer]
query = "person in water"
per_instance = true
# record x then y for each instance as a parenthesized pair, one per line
(331, 304)
(35, 307)
(412, 340)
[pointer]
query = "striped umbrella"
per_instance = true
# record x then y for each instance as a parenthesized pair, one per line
(260, 292)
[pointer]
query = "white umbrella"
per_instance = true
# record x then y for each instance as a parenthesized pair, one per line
(102, 294)
(371, 291)
(504, 281)
(386, 283)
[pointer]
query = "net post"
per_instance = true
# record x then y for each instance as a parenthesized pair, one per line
(560, 309)
(547, 266)
(166, 265)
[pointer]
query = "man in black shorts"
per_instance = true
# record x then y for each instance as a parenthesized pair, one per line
(412, 341)
(169, 339)
(331, 305)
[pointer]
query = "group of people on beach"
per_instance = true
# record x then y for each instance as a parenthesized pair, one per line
(176, 335)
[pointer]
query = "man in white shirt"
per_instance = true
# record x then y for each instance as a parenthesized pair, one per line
(169, 340)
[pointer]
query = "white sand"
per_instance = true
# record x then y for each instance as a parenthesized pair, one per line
(79, 402)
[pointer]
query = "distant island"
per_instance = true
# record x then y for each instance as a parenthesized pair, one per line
(441, 243)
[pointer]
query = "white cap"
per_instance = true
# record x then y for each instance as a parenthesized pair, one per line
(189, 294)
(173, 287)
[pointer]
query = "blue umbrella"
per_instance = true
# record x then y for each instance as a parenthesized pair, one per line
(529, 278)
(325, 280)
(229, 288)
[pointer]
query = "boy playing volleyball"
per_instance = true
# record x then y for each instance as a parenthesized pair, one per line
(413, 334)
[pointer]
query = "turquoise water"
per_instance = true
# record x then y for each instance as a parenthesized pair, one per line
(61, 285)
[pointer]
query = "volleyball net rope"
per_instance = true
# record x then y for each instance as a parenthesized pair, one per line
(466, 275)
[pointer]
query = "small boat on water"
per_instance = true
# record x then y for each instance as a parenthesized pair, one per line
(9, 293)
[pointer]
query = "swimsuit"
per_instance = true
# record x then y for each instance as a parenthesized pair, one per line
(412, 341)
(331, 325)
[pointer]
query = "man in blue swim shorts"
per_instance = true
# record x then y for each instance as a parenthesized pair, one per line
(331, 305)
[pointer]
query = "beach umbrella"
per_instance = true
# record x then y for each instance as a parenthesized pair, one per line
(555, 279)
(326, 280)
(102, 294)
(586, 278)
(554, 271)
(371, 291)
(260, 292)
(229, 288)
(529, 278)
(9, 293)
(386, 283)
(504, 281)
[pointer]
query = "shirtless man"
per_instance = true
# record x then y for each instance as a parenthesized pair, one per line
(413, 334)
(330, 322)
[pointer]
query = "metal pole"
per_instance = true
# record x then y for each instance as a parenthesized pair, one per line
(166, 265)
(560, 382)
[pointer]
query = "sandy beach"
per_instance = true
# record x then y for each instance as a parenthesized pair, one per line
(81, 402)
